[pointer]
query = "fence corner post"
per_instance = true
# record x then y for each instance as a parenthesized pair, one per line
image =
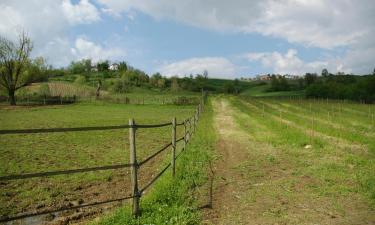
(134, 168)
(173, 163)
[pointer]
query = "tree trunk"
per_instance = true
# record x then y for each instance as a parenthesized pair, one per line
(12, 98)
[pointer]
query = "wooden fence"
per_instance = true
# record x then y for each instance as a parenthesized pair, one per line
(189, 125)
(57, 100)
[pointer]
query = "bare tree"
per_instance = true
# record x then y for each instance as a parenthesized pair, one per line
(205, 74)
(14, 58)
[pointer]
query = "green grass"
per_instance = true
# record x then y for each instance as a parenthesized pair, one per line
(172, 200)
(262, 91)
(342, 158)
(59, 151)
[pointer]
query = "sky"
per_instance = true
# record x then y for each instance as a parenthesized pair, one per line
(229, 39)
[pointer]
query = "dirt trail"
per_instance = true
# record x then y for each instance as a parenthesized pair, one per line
(227, 180)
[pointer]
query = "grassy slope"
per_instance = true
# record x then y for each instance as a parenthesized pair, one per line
(172, 201)
(261, 91)
(285, 183)
(343, 148)
(55, 151)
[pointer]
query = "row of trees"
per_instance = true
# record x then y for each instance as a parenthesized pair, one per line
(357, 88)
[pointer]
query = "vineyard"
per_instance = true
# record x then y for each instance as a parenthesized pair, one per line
(293, 161)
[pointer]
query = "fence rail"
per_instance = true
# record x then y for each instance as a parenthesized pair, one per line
(189, 129)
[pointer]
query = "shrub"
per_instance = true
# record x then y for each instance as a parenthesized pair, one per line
(44, 90)
(80, 80)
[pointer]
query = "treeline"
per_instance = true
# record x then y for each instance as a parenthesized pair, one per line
(123, 78)
(353, 87)
(334, 86)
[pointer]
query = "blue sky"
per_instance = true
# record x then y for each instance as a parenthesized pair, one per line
(229, 39)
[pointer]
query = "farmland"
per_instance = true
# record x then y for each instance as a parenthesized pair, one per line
(70, 150)
(285, 160)
(294, 161)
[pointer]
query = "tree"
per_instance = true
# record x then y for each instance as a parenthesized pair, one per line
(229, 87)
(205, 74)
(373, 72)
(77, 67)
(103, 66)
(310, 78)
(87, 63)
(174, 85)
(122, 66)
(14, 57)
(325, 73)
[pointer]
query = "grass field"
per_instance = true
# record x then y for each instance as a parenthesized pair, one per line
(59, 151)
(262, 91)
(295, 162)
(278, 161)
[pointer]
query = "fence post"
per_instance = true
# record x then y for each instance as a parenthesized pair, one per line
(134, 168)
(173, 163)
(185, 134)
(193, 123)
(189, 129)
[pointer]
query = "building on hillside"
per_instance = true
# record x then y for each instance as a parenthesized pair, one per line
(263, 77)
(291, 77)
(114, 67)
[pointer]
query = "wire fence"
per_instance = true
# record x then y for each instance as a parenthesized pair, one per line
(189, 129)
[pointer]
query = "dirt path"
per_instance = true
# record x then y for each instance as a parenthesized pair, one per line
(228, 180)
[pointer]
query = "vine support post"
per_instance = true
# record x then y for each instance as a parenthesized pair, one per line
(134, 168)
(173, 163)
(185, 134)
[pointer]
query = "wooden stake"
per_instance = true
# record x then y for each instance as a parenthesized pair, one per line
(173, 147)
(134, 169)
(185, 134)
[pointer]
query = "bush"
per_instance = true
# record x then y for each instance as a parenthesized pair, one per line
(44, 90)
(80, 80)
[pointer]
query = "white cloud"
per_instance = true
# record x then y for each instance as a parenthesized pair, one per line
(289, 63)
(216, 66)
(85, 49)
(81, 13)
(318, 23)
(47, 23)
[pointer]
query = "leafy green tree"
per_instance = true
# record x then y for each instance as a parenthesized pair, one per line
(174, 84)
(14, 59)
(325, 73)
(154, 79)
(283, 84)
(200, 81)
(229, 87)
(310, 78)
(162, 83)
(37, 69)
(87, 63)
(122, 66)
(77, 67)
(274, 83)
(103, 66)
